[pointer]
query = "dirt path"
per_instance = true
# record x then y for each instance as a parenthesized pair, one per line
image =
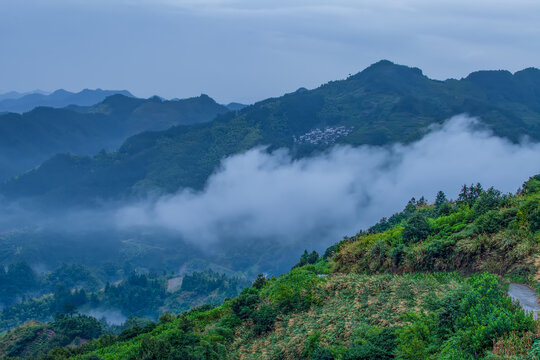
(526, 297)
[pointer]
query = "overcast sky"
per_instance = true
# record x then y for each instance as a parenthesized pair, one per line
(247, 50)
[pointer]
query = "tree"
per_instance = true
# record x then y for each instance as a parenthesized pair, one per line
(416, 229)
(307, 258)
(411, 206)
(440, 199)
(263, 319)
(259, 282)
(468, 195)
(442, 205)
(244, 305)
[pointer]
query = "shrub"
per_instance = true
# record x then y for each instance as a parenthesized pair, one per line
(490, 222)
(416, 228)
(263, 319)
(376, 344)
(534, 219)
(397, 254)
(293, 291)
(322, 354)
(534, 353)
(244, 305)
(464, 324)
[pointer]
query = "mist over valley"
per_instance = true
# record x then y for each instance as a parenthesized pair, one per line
(320, 203)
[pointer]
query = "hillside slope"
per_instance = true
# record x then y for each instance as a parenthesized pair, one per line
(27, 140)
(426, 283)
(20, 103)
(384, 104)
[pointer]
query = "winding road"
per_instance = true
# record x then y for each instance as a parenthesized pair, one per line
(526, 297)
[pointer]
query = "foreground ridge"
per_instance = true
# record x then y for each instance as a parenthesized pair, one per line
(426, 283)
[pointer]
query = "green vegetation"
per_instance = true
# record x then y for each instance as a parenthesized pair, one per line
(384, 104)
(35, 340)
(74, 288)
(426, 283)
(482, 231)
(28, 139)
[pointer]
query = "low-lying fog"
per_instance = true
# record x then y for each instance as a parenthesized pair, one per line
(261, 195)
(269, 195)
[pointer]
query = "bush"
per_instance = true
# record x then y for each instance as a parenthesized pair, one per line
(263, 319)
(370, 343)
(534, 219)
(490, 222)
(463, 325)
(82, 326)
(534, 353)
(244, 305)
(416, 228)
(322, 354)
(397, 254)
(230, 321)
(293, 291)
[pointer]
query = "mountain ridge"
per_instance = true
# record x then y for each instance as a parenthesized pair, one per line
(58, 99)
(383, 104)
(429, 282)
(28, 139)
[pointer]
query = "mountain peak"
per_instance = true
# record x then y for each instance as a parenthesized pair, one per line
(61, 92)
(530, 73)
(389, 77)
(483, 76)
(388, 67)
(386, 70)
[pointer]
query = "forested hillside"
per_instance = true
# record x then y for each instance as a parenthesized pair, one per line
(384, 104)
(109, 295)
(426, 283)
(26, 140)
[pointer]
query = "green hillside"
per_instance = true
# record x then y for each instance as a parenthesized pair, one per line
(76, 288)
(384, 104)
(426, 283)
(28, 139)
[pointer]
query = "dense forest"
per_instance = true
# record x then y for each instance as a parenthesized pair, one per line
(105, 293)
(383, 104)
(28, 139)
(426, 283)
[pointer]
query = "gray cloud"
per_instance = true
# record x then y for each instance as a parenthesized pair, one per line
(249, 50)
(316, 201)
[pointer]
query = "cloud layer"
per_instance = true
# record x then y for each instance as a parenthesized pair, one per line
(316, 201)
(244, 50)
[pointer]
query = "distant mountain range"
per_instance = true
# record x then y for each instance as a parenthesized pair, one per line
(384, 104)
(28, 139)
(19, 103)
(235, 106)
(18, 95)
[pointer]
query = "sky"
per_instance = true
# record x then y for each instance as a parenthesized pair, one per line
(248, 50)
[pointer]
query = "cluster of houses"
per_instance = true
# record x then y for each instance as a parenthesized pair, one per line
(326, 136)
